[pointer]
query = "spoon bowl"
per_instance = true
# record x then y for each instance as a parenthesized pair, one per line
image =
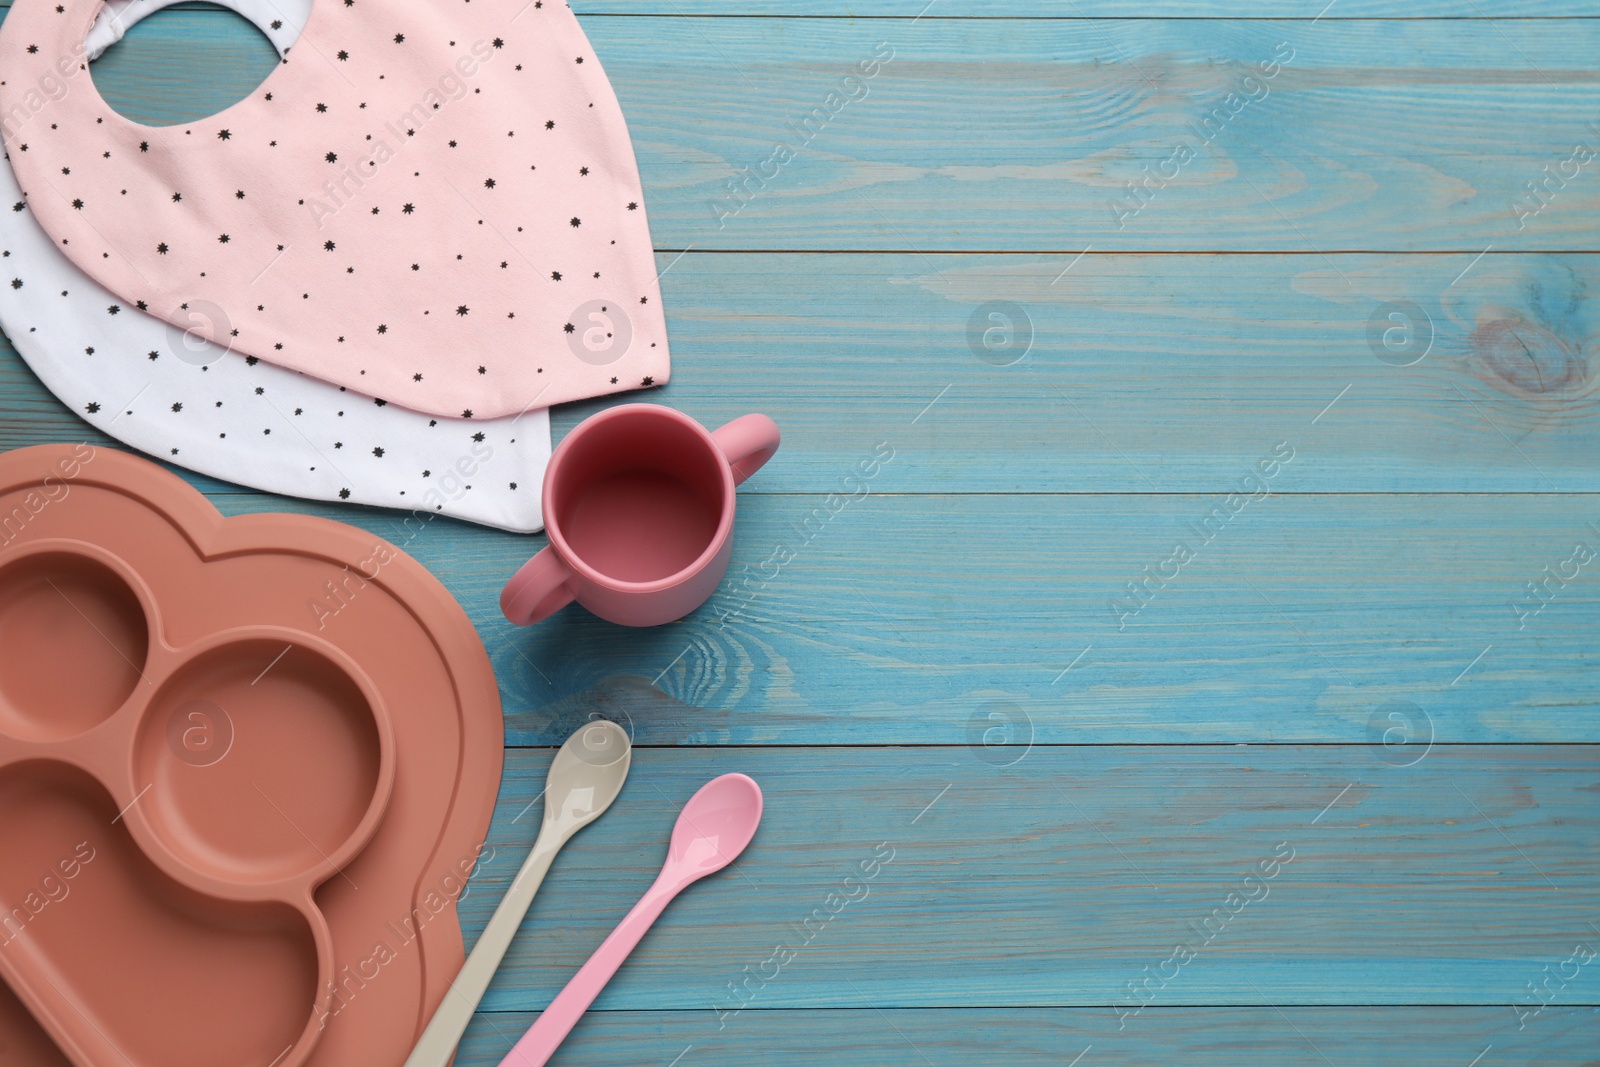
(586, 776)
(716, 825)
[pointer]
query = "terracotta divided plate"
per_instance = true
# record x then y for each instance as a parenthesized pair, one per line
(245, 765)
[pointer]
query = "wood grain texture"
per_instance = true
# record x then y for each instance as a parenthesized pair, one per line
(1359, 144)
(1054, 882)
(1146, 374)
(913, 619)
(1052, 1037)
(1377, 135)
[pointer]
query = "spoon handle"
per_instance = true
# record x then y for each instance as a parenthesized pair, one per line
(438, 1042)
(557, 1021)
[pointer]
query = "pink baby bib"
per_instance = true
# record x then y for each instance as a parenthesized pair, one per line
(430, 201)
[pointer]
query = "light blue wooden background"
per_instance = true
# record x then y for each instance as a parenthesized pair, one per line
(938, 672)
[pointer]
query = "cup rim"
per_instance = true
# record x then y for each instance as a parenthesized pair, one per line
(552, 522)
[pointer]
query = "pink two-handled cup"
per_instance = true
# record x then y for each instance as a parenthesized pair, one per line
(638, 506)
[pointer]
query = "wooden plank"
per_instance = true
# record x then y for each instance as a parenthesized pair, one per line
(1057, 881)
(1046, 1037)
(911, 620)
(1356, 144)
(1301, 622)
(1359, 142)
(1146, 373)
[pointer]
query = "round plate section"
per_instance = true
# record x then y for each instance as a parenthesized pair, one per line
(73, 642)
(261, 758)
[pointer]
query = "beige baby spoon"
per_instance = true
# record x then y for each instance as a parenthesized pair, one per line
(585, 778)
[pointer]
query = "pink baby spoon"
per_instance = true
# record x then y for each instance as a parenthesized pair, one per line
(713, 828)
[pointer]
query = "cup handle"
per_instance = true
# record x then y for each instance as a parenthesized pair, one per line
(538, 589)
(748, 442)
